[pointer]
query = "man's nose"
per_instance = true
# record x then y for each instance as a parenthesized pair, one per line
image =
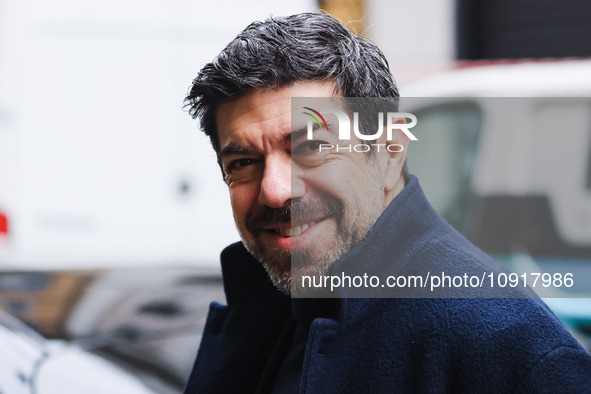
(276, 186)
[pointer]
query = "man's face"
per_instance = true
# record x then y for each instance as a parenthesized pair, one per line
(293, 207)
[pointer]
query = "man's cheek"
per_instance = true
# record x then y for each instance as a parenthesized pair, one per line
(241, 199)
(238, 213)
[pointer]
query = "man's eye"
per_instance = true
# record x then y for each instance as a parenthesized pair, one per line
(309, 146)
(311, 153)
(238, 164)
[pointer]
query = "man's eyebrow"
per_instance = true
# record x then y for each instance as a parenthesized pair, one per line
(235, 149)
(297, 134)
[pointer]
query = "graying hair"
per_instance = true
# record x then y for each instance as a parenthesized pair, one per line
(284, 50)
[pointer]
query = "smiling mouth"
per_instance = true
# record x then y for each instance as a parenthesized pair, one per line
(296, 230)
(293, 231)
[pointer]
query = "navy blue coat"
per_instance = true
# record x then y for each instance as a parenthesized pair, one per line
(393, 345)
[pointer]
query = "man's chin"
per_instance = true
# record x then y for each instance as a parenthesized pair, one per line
(290, 282)
(285, 269)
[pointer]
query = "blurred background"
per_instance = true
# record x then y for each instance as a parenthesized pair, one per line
(112, 208)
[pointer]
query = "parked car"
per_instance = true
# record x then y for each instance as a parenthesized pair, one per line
(30, 364)
(134, 327)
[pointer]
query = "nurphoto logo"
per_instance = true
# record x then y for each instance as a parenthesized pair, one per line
(393, 122)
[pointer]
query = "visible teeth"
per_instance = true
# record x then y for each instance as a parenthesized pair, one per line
(292, 232)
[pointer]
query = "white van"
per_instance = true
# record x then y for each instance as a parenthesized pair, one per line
(99, 165)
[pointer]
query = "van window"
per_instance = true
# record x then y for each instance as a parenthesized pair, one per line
(443, 156)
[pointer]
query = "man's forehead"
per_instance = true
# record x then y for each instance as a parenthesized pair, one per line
(265, 109)
(256, 107)
(252, 126)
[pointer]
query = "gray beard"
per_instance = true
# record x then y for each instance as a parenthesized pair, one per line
(287, 270)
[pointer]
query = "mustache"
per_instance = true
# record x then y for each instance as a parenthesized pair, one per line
(310, 210)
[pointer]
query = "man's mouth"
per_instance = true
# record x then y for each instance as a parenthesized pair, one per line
(293, 231)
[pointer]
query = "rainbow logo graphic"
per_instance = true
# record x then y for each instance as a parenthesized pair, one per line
(315, 118)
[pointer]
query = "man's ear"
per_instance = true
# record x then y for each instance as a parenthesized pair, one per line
(396, 155)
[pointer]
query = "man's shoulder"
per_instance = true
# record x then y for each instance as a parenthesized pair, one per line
(520, 328)
(507, 343)
(482, 317)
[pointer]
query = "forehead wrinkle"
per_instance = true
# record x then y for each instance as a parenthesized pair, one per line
(258, 137)
(303, 131)
(261, 118)
(252, 115)
(248, 114)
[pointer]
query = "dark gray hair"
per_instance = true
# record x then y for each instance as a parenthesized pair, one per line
(284, 50)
